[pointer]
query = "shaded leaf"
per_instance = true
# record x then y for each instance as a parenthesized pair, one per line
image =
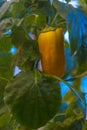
(77, 30)
(82, 68)
(43, 8)
(81, 56)
(40, 6)
(5, 66)
(33, 22)
(33, 98)
(5, 44)
(76, 21)
(26, 55)
(76, 125)
(18, 36)
(71, 63)
(18, 10)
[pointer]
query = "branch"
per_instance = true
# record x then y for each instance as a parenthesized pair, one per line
(77, 77)
(54, 19)
(73, 90)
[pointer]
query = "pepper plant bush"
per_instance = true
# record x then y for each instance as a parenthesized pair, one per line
(32, 99)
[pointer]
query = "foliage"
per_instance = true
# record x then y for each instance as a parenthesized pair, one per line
(41, 100)
(32, 99)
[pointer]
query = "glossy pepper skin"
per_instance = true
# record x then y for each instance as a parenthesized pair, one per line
(51, 48)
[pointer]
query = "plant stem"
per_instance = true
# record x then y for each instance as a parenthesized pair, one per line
(77, 77)
(54, 19)
(75, 92)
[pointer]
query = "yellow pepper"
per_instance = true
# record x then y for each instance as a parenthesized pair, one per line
(51, 47)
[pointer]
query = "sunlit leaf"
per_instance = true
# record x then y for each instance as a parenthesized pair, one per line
(74, 109)
(69, 97)
(82, 2)
(4, 119)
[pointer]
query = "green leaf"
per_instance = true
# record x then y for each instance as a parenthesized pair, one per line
(26, 55)
(74, 110)
(34, 21)
(82, 68)
(18, 10)
(82, 55)
(68, 97)
(44, 7)
(85, 126)
(39, 7)
(5, 44)
(18, 36)
(4, 120)
(27, 3)
(76, 125)
(5, 66)
(33, 98)
(82, 2)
